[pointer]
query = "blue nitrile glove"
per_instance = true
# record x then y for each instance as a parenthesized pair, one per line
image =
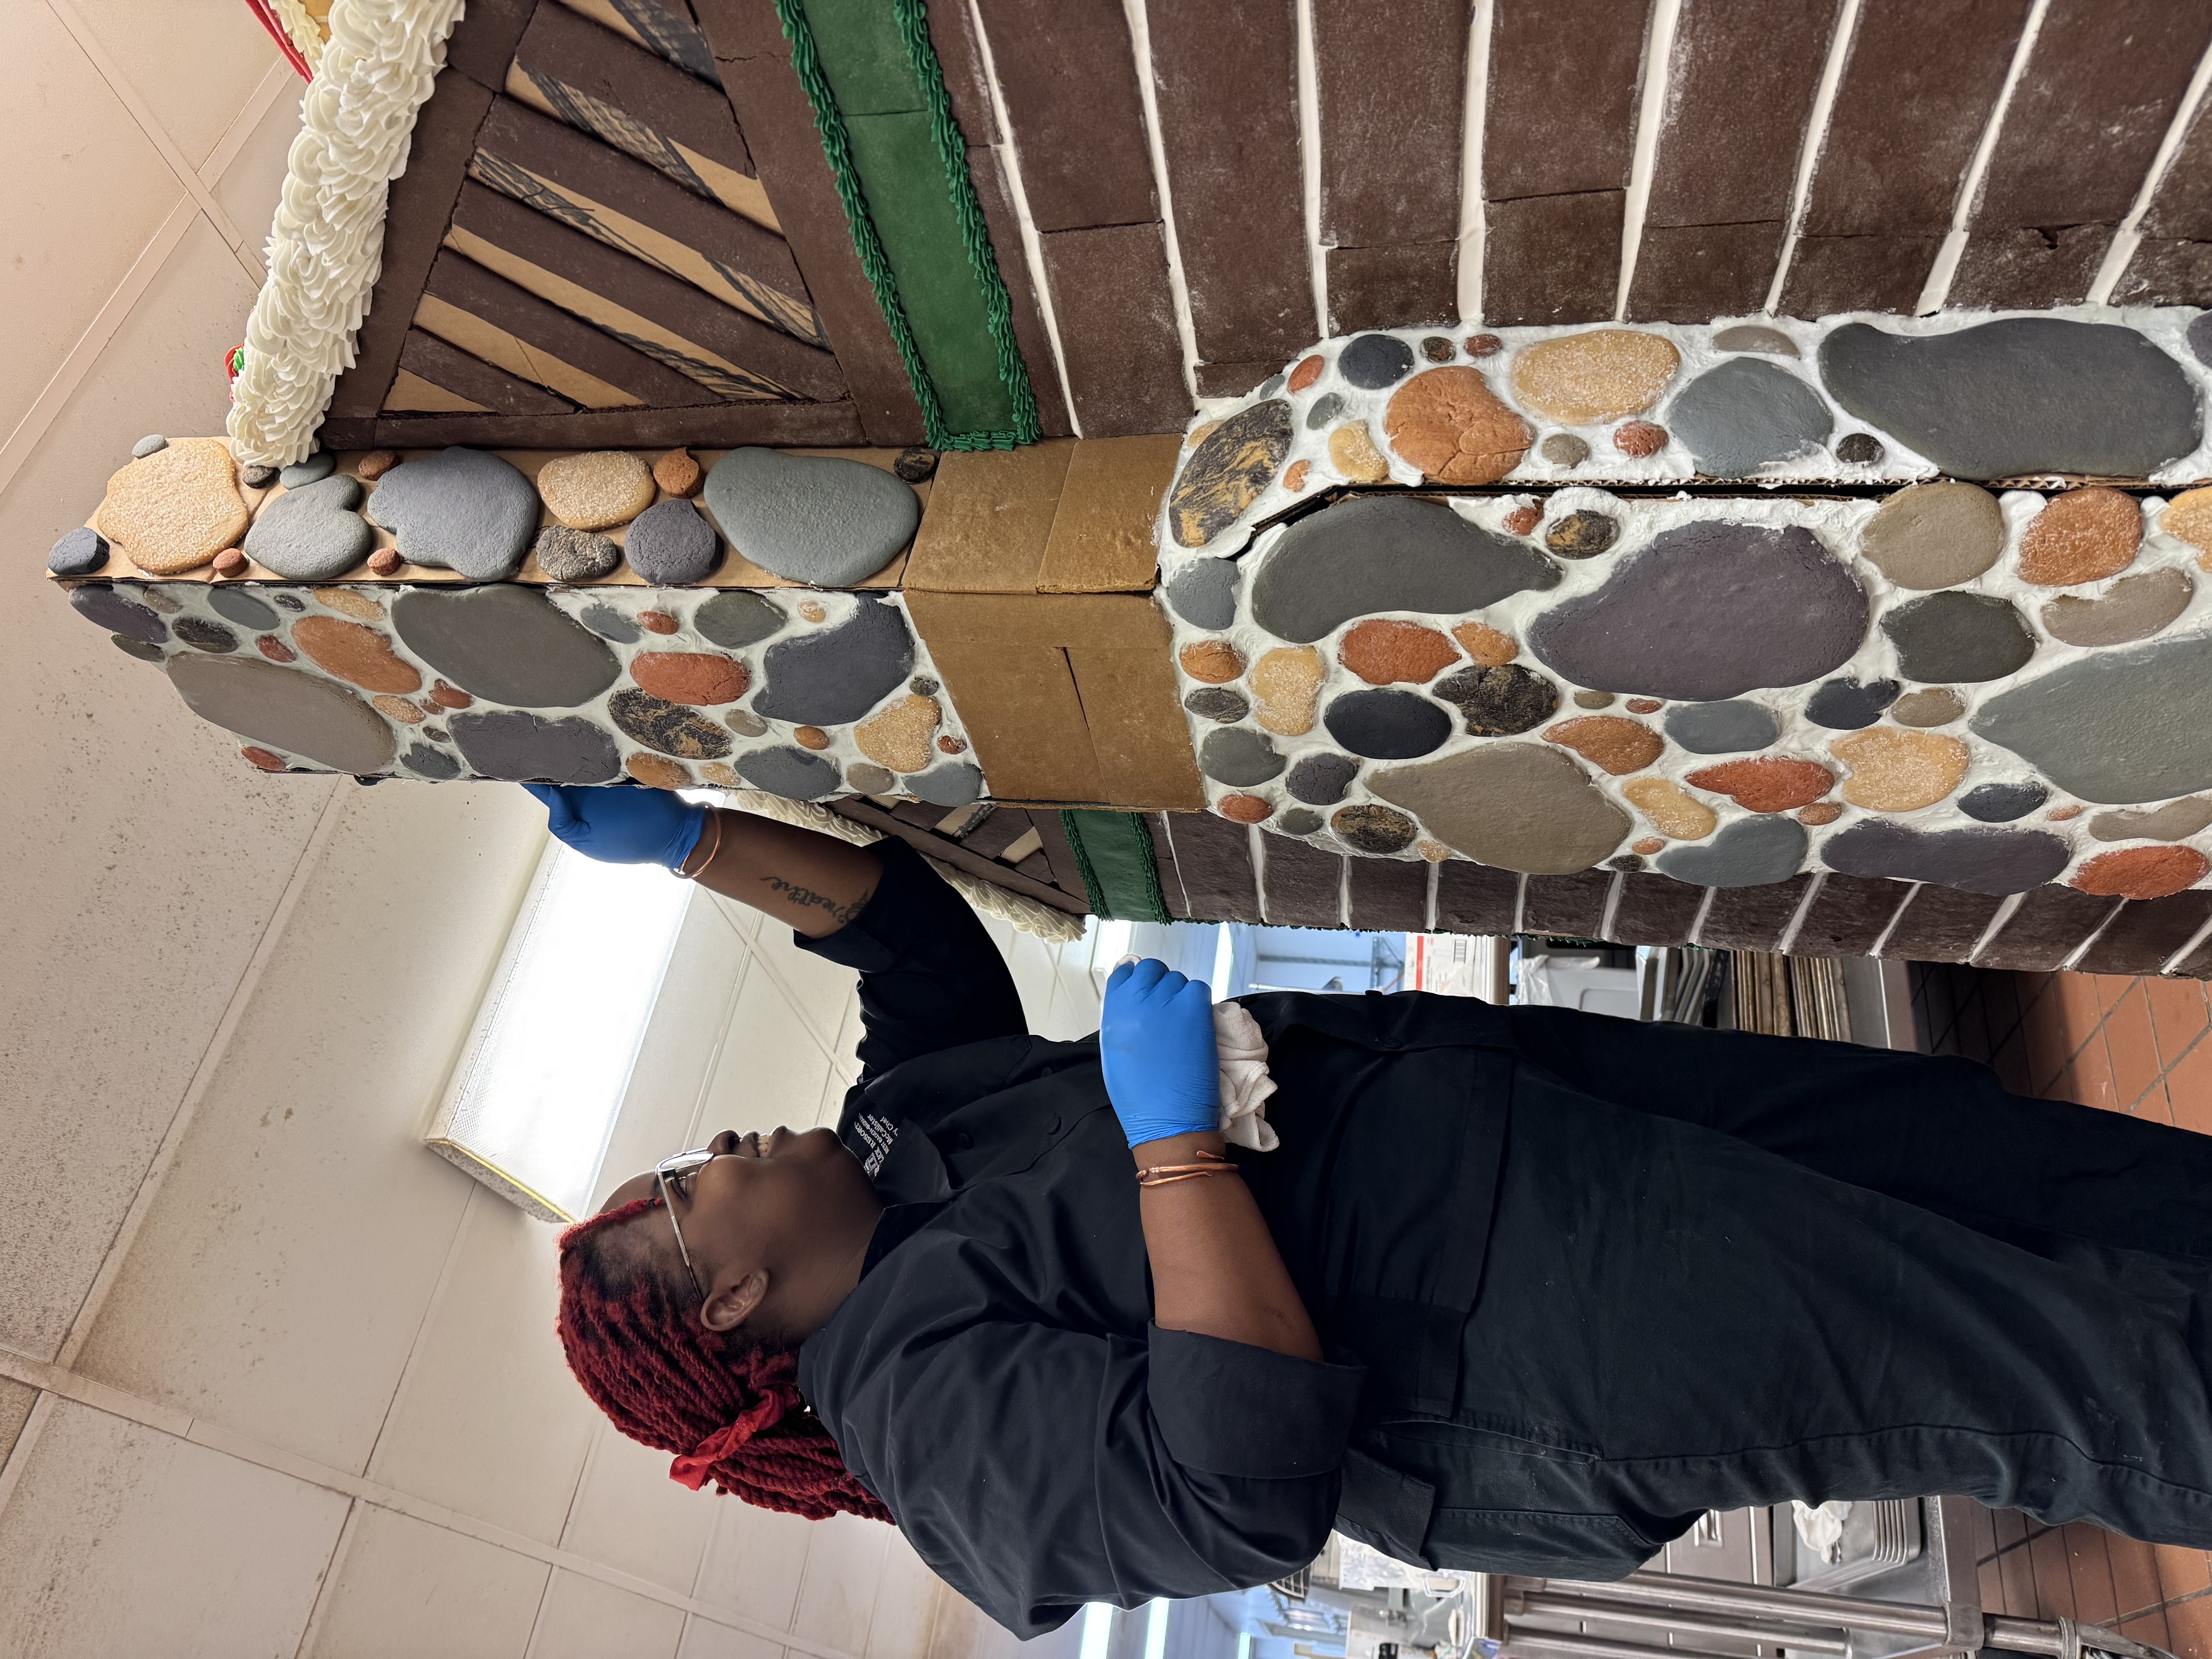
(621, 825)
(1156, 1042)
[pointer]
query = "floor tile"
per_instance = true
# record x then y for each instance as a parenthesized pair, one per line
(2074, 998)
(2189, 1627)
(2189, 1089)
(2181, 1571)
(2110, 988)
(2043, 1032)
(2092, 1075)
(2178, 1013)
(2091, 1567)
(2149, 1628)
(2054, 1576)
(2018, 1582)
(2135, 1576)
(2131, 1047)
(2010, 1063)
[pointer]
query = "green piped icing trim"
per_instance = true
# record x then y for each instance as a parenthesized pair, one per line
(1114, 853)
(911, 18)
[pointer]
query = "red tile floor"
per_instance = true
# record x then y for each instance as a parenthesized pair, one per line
(2126, 1045)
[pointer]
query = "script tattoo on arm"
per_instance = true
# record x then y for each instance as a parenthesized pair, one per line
(807, 898)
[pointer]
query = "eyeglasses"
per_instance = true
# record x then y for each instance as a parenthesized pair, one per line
(668, 1178)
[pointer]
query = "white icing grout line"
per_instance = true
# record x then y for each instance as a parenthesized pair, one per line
(1255, 854)
(2095, 933)
(2188, 946)
(1658, 48)
(1309, 161)
(2127, 238)
(1436, 886)
(1612, 912)
(1698, 921)
(1520, 903)
(1998, 922)
(1937, 289)
(1140, 46)
(1797, 922)
(1808, 154)
(1895, 917)
(211, 1058)
(1344, 892)
(1474, 214)
(1032, 244)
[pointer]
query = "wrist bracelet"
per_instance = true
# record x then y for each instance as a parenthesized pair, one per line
(1166, 1175)
(715, 819)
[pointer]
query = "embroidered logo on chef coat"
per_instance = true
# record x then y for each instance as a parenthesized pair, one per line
(876, 1133)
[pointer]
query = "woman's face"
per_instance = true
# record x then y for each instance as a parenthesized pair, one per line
(770, 1224)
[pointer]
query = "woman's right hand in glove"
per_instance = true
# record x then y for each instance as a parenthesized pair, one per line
(621, 825)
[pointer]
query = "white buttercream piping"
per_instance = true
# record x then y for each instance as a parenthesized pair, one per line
(306, 37)
(326, 244)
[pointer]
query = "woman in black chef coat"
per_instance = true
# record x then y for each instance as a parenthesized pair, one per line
(1522, 1291)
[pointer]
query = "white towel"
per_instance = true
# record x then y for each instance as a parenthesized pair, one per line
(1245, 1081)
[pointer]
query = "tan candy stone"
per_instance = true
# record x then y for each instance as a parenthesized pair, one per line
(719, 773)
(398, 708)
(1820, 812)
(1648, 846)
(1935, 534)
(2083, 536)
(679, 474)
(1352, 453)
(1285, 687)
(1450, 424)
(810, 736)
(1598, 376)
(1608, 742)
(1434, 851)
(1939, 705)
(658, 772)
(359, 655)
(1214, 661)
(1384, 653)
(1485, 644)
(350, 602)
(175, 510)
(596, 490)
(1895, 771)
(374, 465)
(2188, 517)
(1673, 810)
(899, 737)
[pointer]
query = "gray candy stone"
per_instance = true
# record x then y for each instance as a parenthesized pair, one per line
(1322, 780)
(257, 477)
(871, 780)
(671, 545)
(1706, 611)
(461, 510)
(103, 606)
(1978, 861)
(1525, 806)
(575, 555)
(794, 773)
(434, 764)
(152, 444)
(610, 623)
(1204, 592)
(2136, 608)
(2121, 727)
(1387, 553)
(79, 553)
(734, 617)
(1935, 534)
(669, 728)
(744, 722)
(299, 714)
(1218, 702)
(1563, 449)
(1847, 705)
(2199, 337)
(1385, 725)
(1958, 636)
(1720, 728)
(1372, 362)
(2175, 821)
(1299, 821)
(316, 468)
(1745, 414)
(1239, 758)
(312, 534)
(2000, 803)
(1860, 449)
(530, 749)
(809, 518)
(949, 783)
(1754, 337)
(243, 607)
(1270, 387)
(138, 648)
(837, 674)
(1325, 409)
(1748, 852)
(2020, 395)
(507, 644)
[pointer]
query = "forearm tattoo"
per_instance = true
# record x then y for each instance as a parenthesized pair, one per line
(807, 899)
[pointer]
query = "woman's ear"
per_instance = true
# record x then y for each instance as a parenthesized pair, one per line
(729, 1305)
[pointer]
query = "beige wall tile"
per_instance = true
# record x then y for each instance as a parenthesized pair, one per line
(770, 1071)
(705, 1639)
(754, 1562)
(79, 169)
(250, 184)
(583, 1618)
(488, 1420)
(406, 1586)
(629, 1513)
(818, 988)
(160, 854)
(837, 1591)
(123, 1539)
(1031, 964)
(907, 1601)
(15, 1402)
(194, 62)
(282, 1272)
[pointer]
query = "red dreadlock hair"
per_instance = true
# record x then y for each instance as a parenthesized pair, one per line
(727, 1406)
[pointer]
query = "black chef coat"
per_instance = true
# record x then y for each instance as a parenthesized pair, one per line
(1578, 1279)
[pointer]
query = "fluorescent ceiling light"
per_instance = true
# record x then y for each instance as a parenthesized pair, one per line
(1098, 1629)
(535, 1096)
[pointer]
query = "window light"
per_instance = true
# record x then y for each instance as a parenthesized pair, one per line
(1156, 1630)
(1098, 1629)
(533, 1101)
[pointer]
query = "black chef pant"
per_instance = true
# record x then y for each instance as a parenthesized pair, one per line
(1728, 1269)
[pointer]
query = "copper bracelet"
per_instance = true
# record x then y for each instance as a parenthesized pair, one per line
(1166, 1175)
(715, 819)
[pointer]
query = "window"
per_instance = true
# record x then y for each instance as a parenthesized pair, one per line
(534, 1098)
